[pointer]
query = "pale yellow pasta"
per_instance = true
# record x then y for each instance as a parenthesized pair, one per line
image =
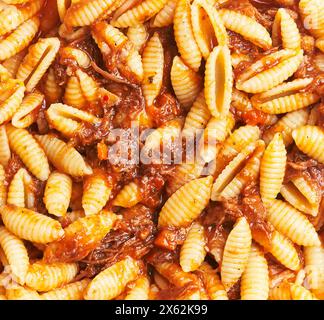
(207, 26)
(139, 13)
(153, 65)
(4, 146)
(137, 35)
(30, 225)
(314, 267)
(128, 196)
(230, 172)
(88, 85)
(197, 117)
(21, 293)
(184, 172)
(285, 31)
(85, 13)
(193, 252)
(212, 282)
(298, 292)
(165, 16)
(57, 193)
(12, 64)
(272, 169)
(186, 203)
(73, 95)
(284, 251)
(164, 134)
(11, 95)
(238, 23)
(294, 196)
(19, 39)
(216, 131)
(51, 89)
(237, 141)
(236, 253)
(27, 148)
(110, 282)
(68, 120)
(312, 195)
(72, 291)
(285, 97)
(240, 100)
(96, 192)
(45, 277)
(20, 191)
(140, 289)
(259, 77)
(3, 188)
(255, 278)
(26, 115)
(219, 81)
(286, 125)
(64, 157)
(185, 82)
(81, 57)
(310, 140)
(38, 59)
(16, 254)
(312, 12)
(183, 33)
(292, 223)
(251, 170)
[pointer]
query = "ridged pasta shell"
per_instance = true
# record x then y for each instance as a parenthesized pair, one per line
(27, 148)
(255, 278)
(186, 203)
(20, 189)
(12, 93)
(230, 171)
(138, 35)
(286, 125)
(85, 13)
(153, 65)
(286, 97)
(165, 16)
(25, 116)
(185, 82)
(193, 252)
(320, 44)
(183, 33)
(310, 140)
(68, 120)
(219, 81)
(292, 195)
(109, 283)
(72, 291)
(207, 26)
(285, 31)
(30, 225)
(259, 77)
(52, 91)
(236, 253)
(140, 290)
(129, 196)
(238, 23)
(19, 39)
(37, 61)
(139, 14)
(312, 12)
(273, 168)
(292, 223)
(64, 157)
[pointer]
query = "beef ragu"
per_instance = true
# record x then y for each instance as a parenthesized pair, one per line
(97, 58)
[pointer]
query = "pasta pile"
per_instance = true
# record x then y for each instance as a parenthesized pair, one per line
(238, 214)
